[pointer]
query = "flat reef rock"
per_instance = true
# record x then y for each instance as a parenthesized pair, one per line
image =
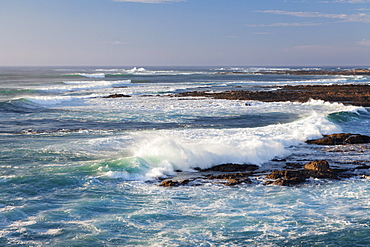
(341, 139)
(355, 94)
(353, 72)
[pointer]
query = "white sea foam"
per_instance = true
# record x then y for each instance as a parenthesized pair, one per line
(49, 100)
(92, 75)
(83, 85)
(187, 149)
(55, 100)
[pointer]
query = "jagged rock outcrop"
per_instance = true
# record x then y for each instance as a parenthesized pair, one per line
(312, 169)
(341, 139)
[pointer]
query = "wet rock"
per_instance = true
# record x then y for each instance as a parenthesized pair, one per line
(285, 174)
(287, 177)
(231, 175)
(357, 139)
(171, 183)
(347, 94)
(117, 96)
(341, 139)
(317, 165)
(313, 169)
(230, 167)
(289, 182)
(237, 181)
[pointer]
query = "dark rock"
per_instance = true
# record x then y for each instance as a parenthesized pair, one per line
(357, 139)
(231, 175)
(279, 160)
(117, 96)
(289, 182)
(171, 183)
(293, 165)
(317, 165)
(237, 181)
(313, 169)
(285, 174)
(230, 167)
(347, 94)
(362, 166)
(340, 139)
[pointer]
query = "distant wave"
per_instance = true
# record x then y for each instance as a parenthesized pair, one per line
(84, 85)
(144, 71)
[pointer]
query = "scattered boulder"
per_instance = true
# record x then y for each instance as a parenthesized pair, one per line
(117, 95)
(313, 169)
(285, 174)
(171, 183)
(317, 165)
(287, 177)
(340, 139)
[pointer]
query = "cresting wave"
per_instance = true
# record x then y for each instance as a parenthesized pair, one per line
(157, 155)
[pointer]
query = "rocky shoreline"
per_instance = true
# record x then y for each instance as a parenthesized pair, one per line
(352, 94)
(294, 172)
(352, 72)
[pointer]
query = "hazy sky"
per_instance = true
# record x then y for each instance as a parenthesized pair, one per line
(185, 32)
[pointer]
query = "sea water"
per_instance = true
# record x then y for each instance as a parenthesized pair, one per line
(78, 169)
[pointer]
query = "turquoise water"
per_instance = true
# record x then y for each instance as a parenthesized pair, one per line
(77, 169)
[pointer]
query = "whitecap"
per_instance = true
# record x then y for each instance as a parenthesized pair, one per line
(94, 75)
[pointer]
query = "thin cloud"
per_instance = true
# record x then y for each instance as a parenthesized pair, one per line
(360, 17)
(149, 1)
(364, 42)
(292, 24)
(308, 48)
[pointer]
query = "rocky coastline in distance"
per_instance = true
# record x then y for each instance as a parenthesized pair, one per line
(351, 94)
(352, 72)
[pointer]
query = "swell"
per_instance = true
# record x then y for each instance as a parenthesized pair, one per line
(20, 106)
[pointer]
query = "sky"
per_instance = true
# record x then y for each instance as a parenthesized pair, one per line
(184, 32)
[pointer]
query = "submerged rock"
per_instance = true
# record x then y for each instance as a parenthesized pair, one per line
(341, 139)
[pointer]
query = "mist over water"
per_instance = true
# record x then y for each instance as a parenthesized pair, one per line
(78, 169)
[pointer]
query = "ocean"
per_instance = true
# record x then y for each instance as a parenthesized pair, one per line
(80, 169)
